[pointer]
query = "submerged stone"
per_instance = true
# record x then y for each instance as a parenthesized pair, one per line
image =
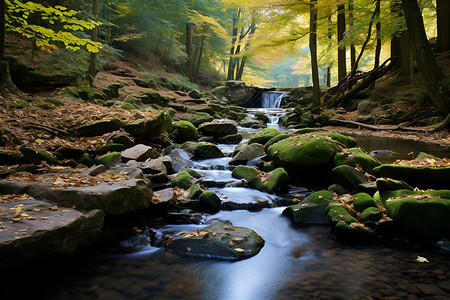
(311, 210)
(219, 240)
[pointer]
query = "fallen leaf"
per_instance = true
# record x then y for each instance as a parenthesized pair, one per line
(231, 244)
(421, 259)
(188, 249)
(44, 218)
(54, 208)
(189, 236)
(239, 250)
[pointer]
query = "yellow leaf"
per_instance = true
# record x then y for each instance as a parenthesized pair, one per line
(238, 250)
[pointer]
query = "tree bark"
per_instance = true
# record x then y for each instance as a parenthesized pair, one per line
(189, 52)
(434, 78)
(400, 46)
(232, 61)
(240, 71)
(342, 61)
(200, 56)
(2, 28)
(313, 50)
(443, 24)
(94, 38)
(378, 45)
(350, 23)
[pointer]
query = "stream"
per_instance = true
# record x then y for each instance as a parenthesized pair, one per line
(295, 263)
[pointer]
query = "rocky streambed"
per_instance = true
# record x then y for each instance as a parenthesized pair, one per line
(205, 219)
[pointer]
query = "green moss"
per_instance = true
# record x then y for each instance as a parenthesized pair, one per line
(109, 160)
(195, 191)
(338, 189)
(356, 157)
(363, 201)
(182, 180)
(387, 184)
(184, 131)
(371, 214)
(127, 106)
(340, 214)
(209, 202)
(110, 148)
(55, 102)
(263, 136)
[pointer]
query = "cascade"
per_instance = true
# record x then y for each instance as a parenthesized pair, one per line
(271, 99)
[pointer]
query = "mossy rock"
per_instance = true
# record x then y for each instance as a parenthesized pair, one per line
(350, 177)
(352, 233)
(217, 128)
(236, 116)
(159, 178)
(311, 149)
(305, 130)
(184, 131)
(121, 138)
(338, 214)
(245, 172)
(195, 191)
(275, 139)
(424, 215)
(230, 139)
(209, 202)
(387, 184)
(86, 160)
(311, 210)
(338, 189)
(262, 117)
(151, 128)
(36, 156)
(277, 180)
(45, 106)
(183, 180)
(207, 110)
(268, 183)
(195, 101)
(200, 119)
(356, 157)
(202, 150)
(193, 173)
(71, 152)
(417, 176)
(220, 241)
(85, 93)
(247, 153)
(363, 201)
(220, 109)
(112, 147)
(8, 138)
(151, 97)
(55, 102)
(371, 214)
(424, 155)
(127, 106)
(100, 127)
(263, 136)
(195, 94)
(109, 159)
(20, 104)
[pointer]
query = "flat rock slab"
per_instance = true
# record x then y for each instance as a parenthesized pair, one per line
(112, 198)
(42, 228)
(219, 240)
(138, 152)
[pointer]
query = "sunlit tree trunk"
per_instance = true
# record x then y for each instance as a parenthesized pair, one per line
(94, 37)
(189, 52)
(433, 77)
(400, 46)
(378, 46)
(443, 24)
(200, 56)
(313, 50)
(350, 23)
(2, 28)
(240, 71)
(232, 61)
(342, 61)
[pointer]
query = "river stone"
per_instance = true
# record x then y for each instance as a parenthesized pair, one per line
(247, 153)
(217, 128)
(200, 119)
(416, 176)
(153, 166)
(356, 157)
(86, 160)
(111, 147)
(264, 135)
(276, 139)
(203, 150)
(193, 173)
(307, 150)
(62, 231)
(181, 160)
(387, 184)
(183, 180)
(265, 182)
(109, 159)
(363, 201)
(195, 94)
(338, 214)
(350, 177)
(311, 210)
(121, 138)
(150, 128)
(195, 191)
(425, 215)
(71, 152)
(164, 199)
(355, 232)
(33, 156)
(230, 139)
(219, 240)
(113, 199)
(338, 189)
(184, 131)
(371, 214)
(100, 127)
(138, 152)
(209, 202)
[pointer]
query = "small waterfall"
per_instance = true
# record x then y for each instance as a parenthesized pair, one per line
(273, 120)
(271, 99)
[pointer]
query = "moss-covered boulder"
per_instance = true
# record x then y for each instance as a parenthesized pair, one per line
(219, 240)
(363, 201)
(70, 152)
(33, 156)
(338, 189)
(100, 127)
(416, 176)
(356, 157)
(275, 139)
(307, 150)
(8, 138)
(230, 139)
(208, 110)
(247, 153)
(426, 215)
(193, 173)
(121, 138)
(209, 202)
(183, 180)
(195, 94)
(194, 191)
(112, 147)
(350, 177)
(338, 214)
(262, 117)
(387, 184)
(109, 159)
(151, 128)
(270, 182)
(311, 210)
(217, 128)
(10, 158)
(202, 150)
(184, 131)
(371, 214)
(201, 118)
(86, 160)
(263, 136)
(354, 232)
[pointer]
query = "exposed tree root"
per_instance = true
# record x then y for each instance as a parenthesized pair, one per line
(373, 127)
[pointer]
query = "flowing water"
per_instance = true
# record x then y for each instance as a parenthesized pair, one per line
(295, 263)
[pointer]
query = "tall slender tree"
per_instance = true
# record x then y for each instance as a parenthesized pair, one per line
(443, 24)
(2, 28)
(342, 61)
(94, 38)
(313, 51)
(436, 82)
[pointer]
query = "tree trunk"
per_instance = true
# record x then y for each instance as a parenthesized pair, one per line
(200, 56)
(313, 50)
(342, 61)
(443, 24)
(350, 23)
(378, 46)
(433, 76)
(400, 46)
(240, 71)
(232, 64)
(189, 52)
(94, 38)
(2, 28)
